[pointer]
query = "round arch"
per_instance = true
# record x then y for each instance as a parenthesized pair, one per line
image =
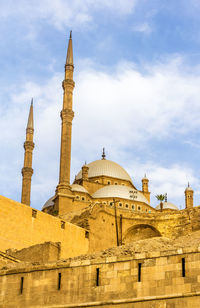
(140, 232)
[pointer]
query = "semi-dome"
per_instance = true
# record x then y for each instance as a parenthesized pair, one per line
(78, 188)
(167, 205)
(107, 168)
(74, 187)
(119, 191)
(48, 203)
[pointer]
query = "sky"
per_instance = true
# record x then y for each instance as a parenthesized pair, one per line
(137, 93)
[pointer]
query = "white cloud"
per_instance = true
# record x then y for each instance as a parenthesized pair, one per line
(171, 179)
(143, 28)
(63, 13)
(124, 110)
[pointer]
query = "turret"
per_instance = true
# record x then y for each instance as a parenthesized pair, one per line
(145, 184)
(145, 187)
(64, 196)
(27, 170)
(189, 197)
(85, 170)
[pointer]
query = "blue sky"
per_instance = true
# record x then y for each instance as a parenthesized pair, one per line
(137, 74)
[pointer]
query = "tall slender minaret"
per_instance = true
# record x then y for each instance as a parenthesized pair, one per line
(63, 198)
(27, 170)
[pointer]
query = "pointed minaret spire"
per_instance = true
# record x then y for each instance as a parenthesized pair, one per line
(30, 118)
(103, 154)
(69, 60)
(63, 198)
(27, 170)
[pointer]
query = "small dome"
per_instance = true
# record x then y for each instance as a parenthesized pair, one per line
(79, 188)
(167, 205)
(119, 191)
(48, 203)
(189, 189)
(107, 168)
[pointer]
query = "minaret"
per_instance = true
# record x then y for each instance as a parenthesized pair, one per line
(27, 170)
(145, 187)
(63, 198)
(85, 170)
(189, 197)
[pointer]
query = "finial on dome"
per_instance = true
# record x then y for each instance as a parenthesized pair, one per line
(145, 177)
(188, 184)
(166, 197)
(103, 154)
(70, 36)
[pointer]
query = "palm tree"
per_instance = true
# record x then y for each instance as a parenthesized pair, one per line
(161, 198)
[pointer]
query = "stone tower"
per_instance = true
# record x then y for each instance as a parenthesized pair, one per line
(145, 187)
(85, 170)
(27, 170)
(63, 198)
(189, 197)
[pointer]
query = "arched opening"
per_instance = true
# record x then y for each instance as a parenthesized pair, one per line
(140, 232)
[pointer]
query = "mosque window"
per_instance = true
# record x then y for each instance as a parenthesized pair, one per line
(183, 267)
(115, 183)
(108, 182)
(149, 211)
(77, 197)
(105, 202)
(97, 277)
(86, 234)
(22, 285)
(62, 224)
(139, 208)
(83, 198)
(111, 203)
(59, 281)
(139, 271)
(120, 204)
(126, 205)
(133, 206)
(146, 210)
(34, 213)
(123, 184)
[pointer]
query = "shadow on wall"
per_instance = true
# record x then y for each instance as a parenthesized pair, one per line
(140, 232)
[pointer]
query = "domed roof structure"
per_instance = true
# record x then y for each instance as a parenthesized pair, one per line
(168, 205)
(107, 168)
(79, 188)
(74, 187)
(48, 203)
(119, 191)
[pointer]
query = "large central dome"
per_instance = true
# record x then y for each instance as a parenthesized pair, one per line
(105, 167)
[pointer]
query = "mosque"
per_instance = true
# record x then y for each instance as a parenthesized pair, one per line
(80, 249)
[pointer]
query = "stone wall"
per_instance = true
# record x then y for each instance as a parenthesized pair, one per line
(100, 221)
(168, 279)
(7, 259)
(44, 252)
(21, 226)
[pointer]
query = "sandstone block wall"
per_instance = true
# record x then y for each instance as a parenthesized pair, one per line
(21, 226)
(143, 280)
(42, 253)
(7, 259)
